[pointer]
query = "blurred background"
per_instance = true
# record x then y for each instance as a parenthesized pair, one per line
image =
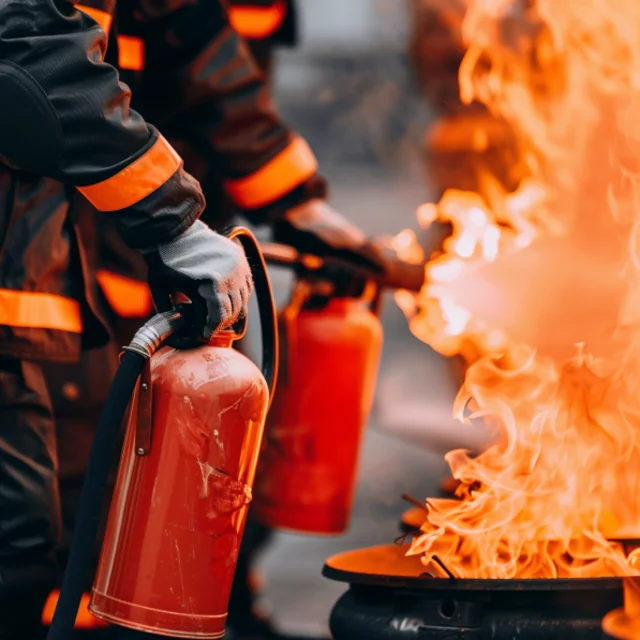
(372, 86)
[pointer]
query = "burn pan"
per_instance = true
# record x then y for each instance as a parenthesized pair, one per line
(389, 597)
(412, 519)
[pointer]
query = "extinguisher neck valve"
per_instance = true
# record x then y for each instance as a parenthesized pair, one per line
(149, 338)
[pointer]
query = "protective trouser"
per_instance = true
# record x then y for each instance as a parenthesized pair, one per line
(78, 393)
(29, 500)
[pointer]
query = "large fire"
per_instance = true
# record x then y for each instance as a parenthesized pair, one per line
(539, 289)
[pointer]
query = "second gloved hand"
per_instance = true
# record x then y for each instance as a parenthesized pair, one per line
(201, 263)
(317, 228)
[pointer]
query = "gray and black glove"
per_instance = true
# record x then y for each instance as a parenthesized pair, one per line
(206, 267)
(317, 228)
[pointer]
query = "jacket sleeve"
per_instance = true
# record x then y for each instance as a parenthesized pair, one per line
(65, 115)
(201, 84)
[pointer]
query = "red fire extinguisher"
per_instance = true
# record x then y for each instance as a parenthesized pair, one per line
(185, 478)
(331, 341)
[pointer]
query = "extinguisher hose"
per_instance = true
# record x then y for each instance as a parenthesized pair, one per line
(144, 344)
(266, 304)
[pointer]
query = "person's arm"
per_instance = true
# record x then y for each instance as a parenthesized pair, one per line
(65, 115)
(201, 84)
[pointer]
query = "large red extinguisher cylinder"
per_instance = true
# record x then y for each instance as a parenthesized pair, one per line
(185, 482)
(308, 467)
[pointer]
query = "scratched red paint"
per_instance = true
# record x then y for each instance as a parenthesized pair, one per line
(178, 514)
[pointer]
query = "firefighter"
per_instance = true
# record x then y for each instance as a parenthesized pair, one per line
(193, 77)
(222, 121)
(67, 129)
(78, 391)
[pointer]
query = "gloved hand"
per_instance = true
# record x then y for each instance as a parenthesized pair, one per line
(201, 263)
(315, 227)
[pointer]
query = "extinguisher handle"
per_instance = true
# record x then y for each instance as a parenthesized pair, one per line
(266, 303)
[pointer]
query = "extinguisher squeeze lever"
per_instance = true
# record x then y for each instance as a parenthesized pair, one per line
(181, 323)
(397, 273)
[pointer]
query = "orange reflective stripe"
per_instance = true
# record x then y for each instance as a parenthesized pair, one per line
(84, 620)
(130, 53)
(103, 18)
(39, 311)
(289, 169)
(128, 298)
(135, 182)
(257, 23)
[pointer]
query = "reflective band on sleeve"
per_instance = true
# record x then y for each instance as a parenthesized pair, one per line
(257, 23)
(103, 18)
(130, 53)
(84, 619)
(135, 182)
(127, 297)
(289, 169)
(39, 311)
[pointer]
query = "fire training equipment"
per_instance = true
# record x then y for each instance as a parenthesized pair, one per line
(331, 340)
(308, 467)
(392, 597)
(183, 488)
(624, 623)
(186, 471)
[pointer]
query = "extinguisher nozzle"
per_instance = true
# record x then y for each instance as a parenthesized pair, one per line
(150, 337)
(404, 275)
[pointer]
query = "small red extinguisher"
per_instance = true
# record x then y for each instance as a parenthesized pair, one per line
(331, 341)
(185, 478)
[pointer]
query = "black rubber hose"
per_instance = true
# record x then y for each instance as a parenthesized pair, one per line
(266, 305)
(93, 491)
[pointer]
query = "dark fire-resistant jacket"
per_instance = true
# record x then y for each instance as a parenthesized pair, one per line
(262, 24)
(224, 116)
(68, 135)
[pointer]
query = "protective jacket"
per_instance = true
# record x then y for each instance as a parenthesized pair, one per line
(199, 85)
(215, 108)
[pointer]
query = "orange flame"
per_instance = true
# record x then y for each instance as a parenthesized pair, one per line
(540, 290)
